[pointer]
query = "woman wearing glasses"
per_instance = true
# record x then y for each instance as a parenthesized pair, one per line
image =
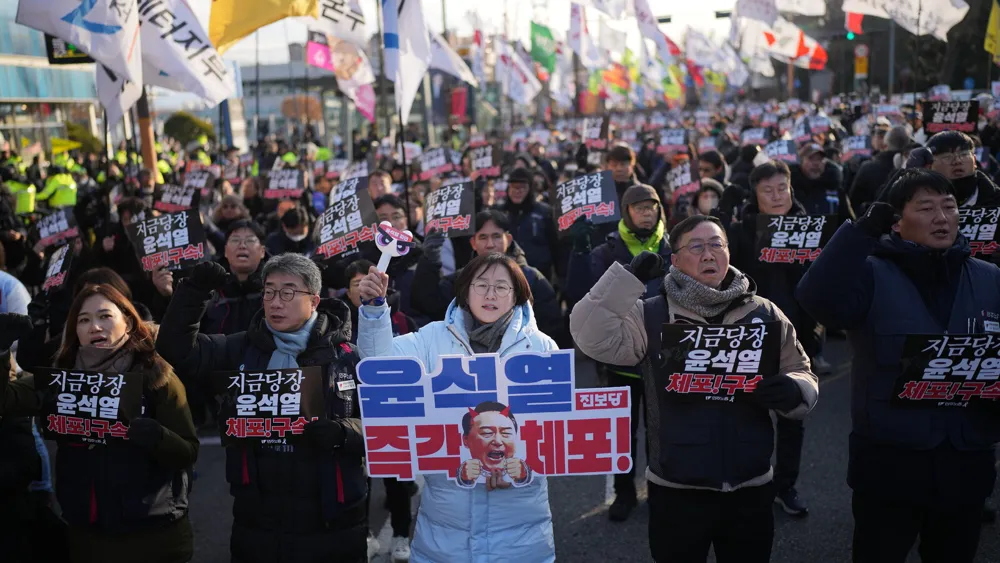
(490, 314)
(304, 501)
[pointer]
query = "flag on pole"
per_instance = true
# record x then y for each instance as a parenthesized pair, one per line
(804, 7)
(117, 94)
(445, 59)
(543, 47)
(63, 145)
(992, 42)
(852, 22)
(232, 20)
(760, 10)
(343, 20)
(407, 50)
(581, 42)
(650, 29)
(104, 29)
(516, 79)
(348, 63)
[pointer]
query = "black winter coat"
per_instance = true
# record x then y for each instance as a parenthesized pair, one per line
(19, 465)
(234, 305)
(869, 180)
(824, 195)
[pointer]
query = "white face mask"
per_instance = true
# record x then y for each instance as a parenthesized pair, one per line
(296, 238)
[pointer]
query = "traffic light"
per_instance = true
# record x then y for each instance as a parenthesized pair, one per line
(850, 36)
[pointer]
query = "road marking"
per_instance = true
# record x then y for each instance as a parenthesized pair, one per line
(609, 488)
(210, 440)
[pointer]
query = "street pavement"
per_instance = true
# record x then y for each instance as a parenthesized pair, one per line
(579, 504)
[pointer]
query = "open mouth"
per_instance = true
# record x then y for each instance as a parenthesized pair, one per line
(99, 341)
(710, 270)
(495, 456)
(242, 255)
(940, 233)
(488, 307)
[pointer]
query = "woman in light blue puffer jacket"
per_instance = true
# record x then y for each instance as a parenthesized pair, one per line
(490, 314)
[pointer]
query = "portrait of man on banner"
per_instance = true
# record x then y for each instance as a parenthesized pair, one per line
(490, 434)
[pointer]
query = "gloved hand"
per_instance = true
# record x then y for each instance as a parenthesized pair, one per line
(12, 328)
(432, 246)
(778, 392)
(324, 434)
(38, 309)
(146, 432)
(878, 219)
(581, 232)
(646, 266)
(208, 276)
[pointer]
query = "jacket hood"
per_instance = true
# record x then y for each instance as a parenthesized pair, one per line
(522, 324)
(515, 252)
(332, 327)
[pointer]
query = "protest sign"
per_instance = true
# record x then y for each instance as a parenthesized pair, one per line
(58, 268)
(287, 183)
(594, 132)
(175, 198)
(979, 226)
(500, 190)
(858, 145)
(716, 362)
(201, 179)
(592, 196)
(356, 169)
(951, 370)
(435, 163)
(335, 168)
(348, 220)
(418, 421)
(784, 151)
(451, 210)
(801, 133)
(769, 120)
(60, 225)
(951, 116)
(684, 183)
(175, 240)
(62, 52)
(782, 239)
(272, 405)
(755, 136)
(819, 124)
(484, 161)
(88, 407)
(233, 173)
(707, 144)
(673, 141)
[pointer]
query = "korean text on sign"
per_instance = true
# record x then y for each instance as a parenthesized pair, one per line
(284, 184)
(790, 239)
(950, 370)
(175, 198)
(435, 162)
(945, 116)
(717, 362)
(592, 196)
(88, 406)
(55, 274)
(420, 422)
(174, 240)
(979, 226)
(449, 210)
(483, 163)
(270, 405)
(348, 220)
(57, 227)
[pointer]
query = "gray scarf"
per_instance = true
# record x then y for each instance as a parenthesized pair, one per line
(486, 338)
(116, 360)
(701, 299)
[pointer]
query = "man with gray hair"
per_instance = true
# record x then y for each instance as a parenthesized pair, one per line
(873, 174)
(306, 500)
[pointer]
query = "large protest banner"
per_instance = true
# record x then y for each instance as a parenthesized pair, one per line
(521, 414)
(950, 370)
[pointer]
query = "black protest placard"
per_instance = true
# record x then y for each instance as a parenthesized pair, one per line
(357, 169)
(61, 52)
(88, 407)
(232, 172)
(783, 239)
(858, 145)
(335, 168)
(435, 163)
(784, 151)
(58, 268)
(950, 370)
(348, 220)
(287, 183)
(801, 132)
(755, 136)
(716, 362)
(594, 132)
(451, 210)
(819, 124)
(951, 116)
(60, 225)
(684, 183)
(786, 125)
(673, 141)
(592, 196)
(484, 161)
(707, 144)
(176, 198)
(979, 226)
(175, 240)
(500, 191)
(202, 180)
(272, 405)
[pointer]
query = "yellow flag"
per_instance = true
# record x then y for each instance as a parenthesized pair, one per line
(992, 42)
(232, 20)
(25, 142)
(63, 145)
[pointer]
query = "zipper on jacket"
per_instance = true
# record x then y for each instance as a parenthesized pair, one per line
(340, 482)
(458, 337)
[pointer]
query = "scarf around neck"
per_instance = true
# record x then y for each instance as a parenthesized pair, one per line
(288, 345)
(636, 246)
(701, 299)
(115, 360)
(486, 338)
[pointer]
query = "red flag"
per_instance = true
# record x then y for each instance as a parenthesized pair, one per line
(853, 22)
(818, 59)
(675, 51)
(802, 49)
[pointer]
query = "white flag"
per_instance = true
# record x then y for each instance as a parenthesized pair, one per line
(866, 7)
(445, 59)
(760, 10)
(730, 64)
(616, 9)
(562, 86)
(478, 48)
(515, 75)
(178, 54)
(107, 30)
(343, 20)
(407, 50)
(117, 95)
(926, 17)
(804, 7)
(785, 39)
(581, 42)
(700, 49)
(613, 40)
(650, 29)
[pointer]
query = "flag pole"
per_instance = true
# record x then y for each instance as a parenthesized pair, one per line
(382, 104)
(257, 90)
(406, 171)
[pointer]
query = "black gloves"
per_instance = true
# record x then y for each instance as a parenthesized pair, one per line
(777, 392)
(38, 309)
(646, 266)
(432, 246)
(145, 432)
(208, 276)
(581, 232)
(324, 434)
(878, 219)
(12, 327)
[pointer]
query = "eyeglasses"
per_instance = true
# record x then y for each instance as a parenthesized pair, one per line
(955, 157)
(646, 207)
(501, 289)
(247, 242)
(287, 294)
(698, 248)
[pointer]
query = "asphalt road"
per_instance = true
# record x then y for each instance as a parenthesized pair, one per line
(579, 504)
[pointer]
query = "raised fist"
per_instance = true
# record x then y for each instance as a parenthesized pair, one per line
(516, 469)
(471, 470)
